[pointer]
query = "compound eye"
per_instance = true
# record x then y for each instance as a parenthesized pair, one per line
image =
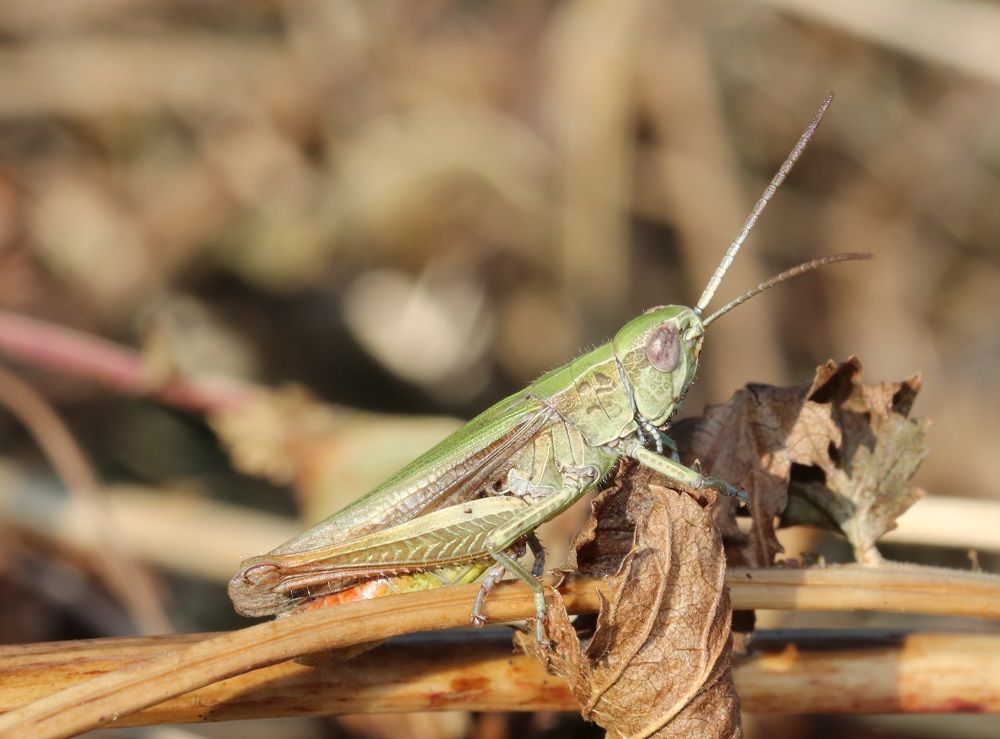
(663, 349)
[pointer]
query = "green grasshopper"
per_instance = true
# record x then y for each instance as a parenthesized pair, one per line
(473, 501)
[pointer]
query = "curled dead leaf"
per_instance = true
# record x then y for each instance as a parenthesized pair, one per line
(746, 441)
(658, 663)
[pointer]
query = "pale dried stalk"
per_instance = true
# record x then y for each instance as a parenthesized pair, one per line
(891, 587)
(592, 52)
(698, 174)
(793, 673)
(100, 700)
(962, 523)
(173, 528)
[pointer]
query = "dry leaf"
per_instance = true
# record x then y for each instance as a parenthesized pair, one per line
(274, 433)
(868, 467)
(658, 663)
(848, 451)
(746, 441)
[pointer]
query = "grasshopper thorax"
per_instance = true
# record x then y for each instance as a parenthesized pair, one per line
(658, 353)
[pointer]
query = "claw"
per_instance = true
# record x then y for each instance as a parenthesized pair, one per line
(739, 493)
(725, 488)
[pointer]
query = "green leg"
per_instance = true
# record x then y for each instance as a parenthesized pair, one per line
(496, 572)
(515, 568)
(506, 563)
(576, 483)
(541, 511)
(680, 473)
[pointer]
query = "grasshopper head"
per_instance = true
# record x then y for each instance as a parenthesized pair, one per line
(658, 352)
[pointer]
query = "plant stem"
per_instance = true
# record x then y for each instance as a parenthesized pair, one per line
(103, 699)
(78, 354)
(795, 672)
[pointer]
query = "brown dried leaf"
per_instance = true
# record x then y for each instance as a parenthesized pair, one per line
(847, 450)
(658, 663)
(868, 470)
(608, 535)
(746, 441)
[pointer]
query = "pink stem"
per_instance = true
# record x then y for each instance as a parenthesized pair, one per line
(75, 353)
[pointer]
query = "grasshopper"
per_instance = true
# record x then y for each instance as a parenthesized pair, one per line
(471, 504)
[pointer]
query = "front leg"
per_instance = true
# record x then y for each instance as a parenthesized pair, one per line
(680, 473)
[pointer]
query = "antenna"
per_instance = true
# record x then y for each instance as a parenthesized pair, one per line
(779, 177)
(786, 275)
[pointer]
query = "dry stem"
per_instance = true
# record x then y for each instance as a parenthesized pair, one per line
(101, 700)
(789, 673)
(967, 47)
(963, 523)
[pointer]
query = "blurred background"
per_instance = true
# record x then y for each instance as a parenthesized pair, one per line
(346, 225)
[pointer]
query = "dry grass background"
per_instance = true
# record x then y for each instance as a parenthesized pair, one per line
(417, 208)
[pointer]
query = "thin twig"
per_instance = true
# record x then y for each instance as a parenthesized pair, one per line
(101, 700)
(891, 587)
(794, 672)
(78, 354)
(130, 583)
